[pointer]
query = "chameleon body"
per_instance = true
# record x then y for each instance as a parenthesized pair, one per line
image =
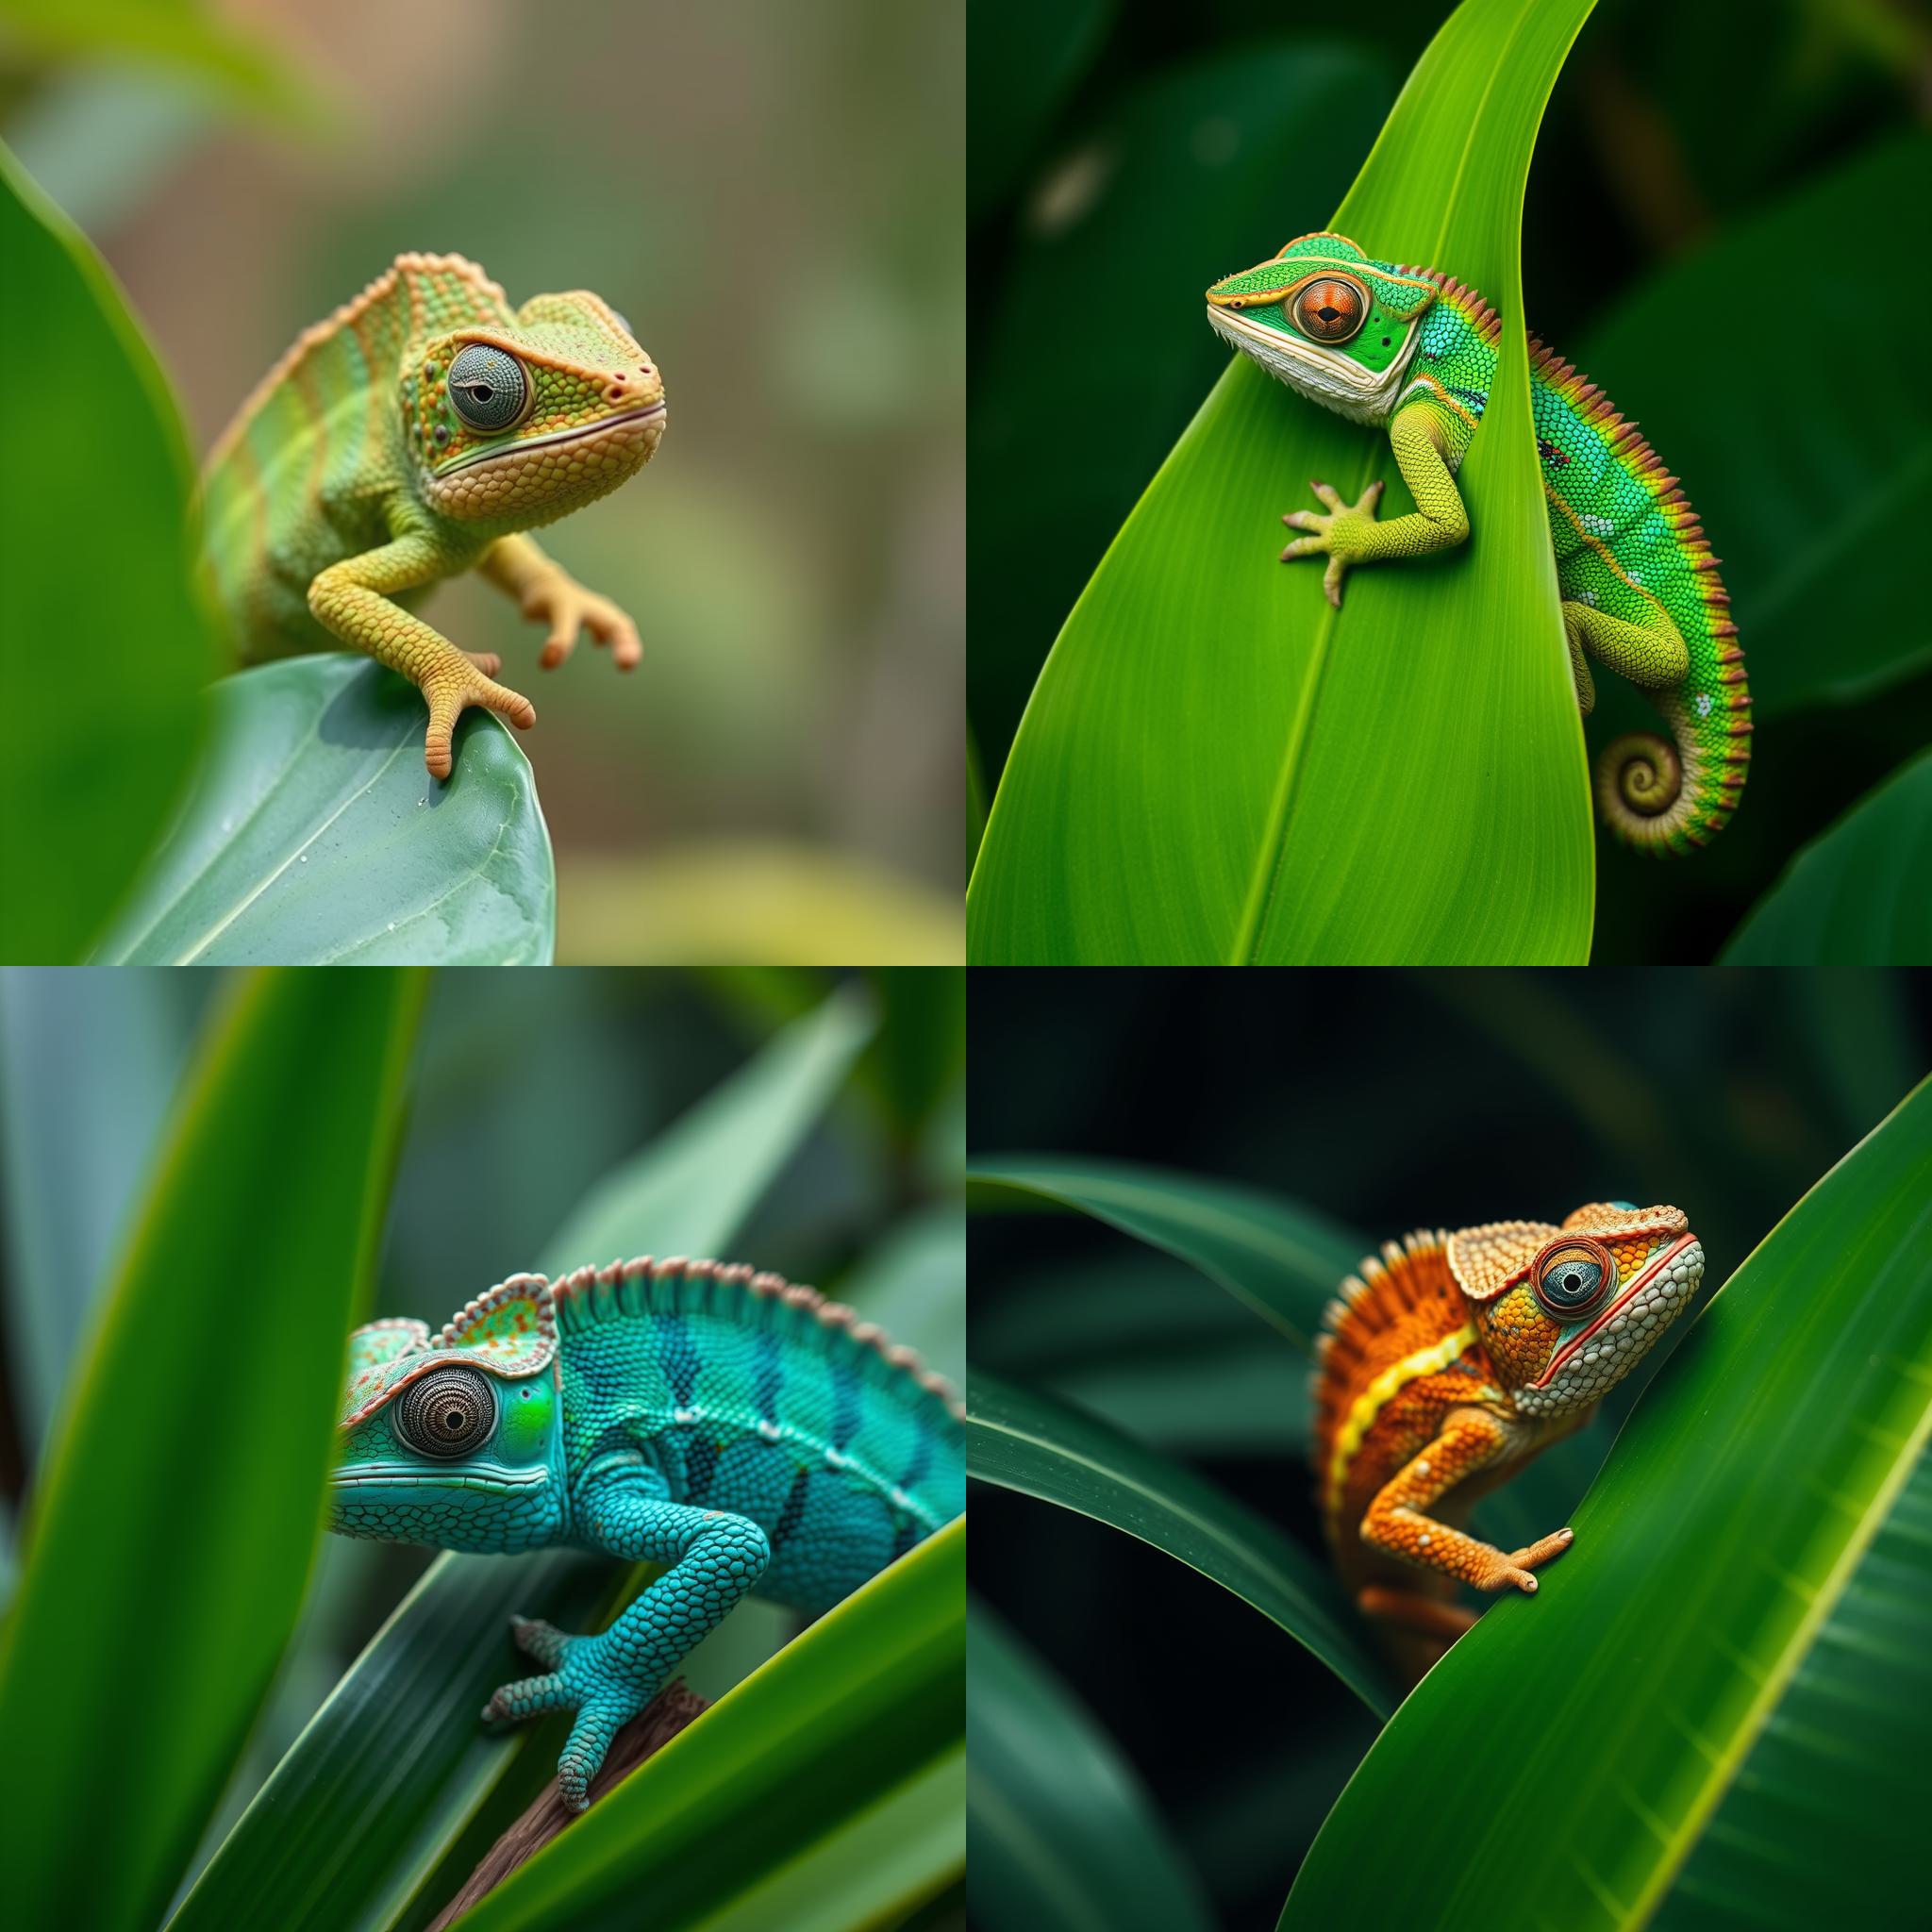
(1415, 351)
(743, 1431)
(414, 435)
(1449, 1362)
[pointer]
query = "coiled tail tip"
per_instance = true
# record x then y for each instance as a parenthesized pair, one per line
(1641, 793)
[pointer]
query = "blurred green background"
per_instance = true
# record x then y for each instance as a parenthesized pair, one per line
(522, 1102)
(1123, 154)
(771, 194)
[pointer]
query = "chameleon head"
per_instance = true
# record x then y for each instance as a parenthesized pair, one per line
(1565, 1312)
(1327, 321)
(454, 1439)
(518, 426)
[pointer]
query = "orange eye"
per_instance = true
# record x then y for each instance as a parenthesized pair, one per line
(1330, 310)
(1572, 1277)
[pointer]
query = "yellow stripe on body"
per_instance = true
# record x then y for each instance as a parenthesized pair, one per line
(1370, 1403)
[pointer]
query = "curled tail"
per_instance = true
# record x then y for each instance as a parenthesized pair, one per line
(1670, 795)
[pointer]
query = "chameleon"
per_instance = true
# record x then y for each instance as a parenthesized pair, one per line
(416, 434)
(741, 1429)
(1414, 350)
(1446, 1364)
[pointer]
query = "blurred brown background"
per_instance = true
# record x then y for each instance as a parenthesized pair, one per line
(773, 194)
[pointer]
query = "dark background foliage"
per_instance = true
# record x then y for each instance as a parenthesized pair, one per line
(1387, 1101)
(1123, 154)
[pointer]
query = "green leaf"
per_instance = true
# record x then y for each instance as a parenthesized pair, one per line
(1860, 893)
(87, 1065)
(1164, 185)
(1282, 1260)
(1027, 1441)
(1065, 1838)
(1817, 518)
(691, 1190)
(395, 1763)
(1214, 765)
(184, 1488)
(868, 1698)
(313, 836)
(1711, 1559)
(101, 649)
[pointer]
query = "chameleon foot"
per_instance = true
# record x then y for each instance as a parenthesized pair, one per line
(488, 662)
(1516, 1567)
(558, 600)
(449, 690)
(583, 1676)
(1338, 535)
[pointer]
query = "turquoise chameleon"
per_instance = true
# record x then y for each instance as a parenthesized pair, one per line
(1415, 351)
(743, 1431)
(418, 433)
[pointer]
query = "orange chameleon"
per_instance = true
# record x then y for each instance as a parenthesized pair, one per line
(1455, 1358)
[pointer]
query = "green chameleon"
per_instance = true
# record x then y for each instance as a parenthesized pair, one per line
(737, 1429)
(1414, 350)
(412, 436)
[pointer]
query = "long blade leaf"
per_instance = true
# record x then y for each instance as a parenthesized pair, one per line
(185, 1486)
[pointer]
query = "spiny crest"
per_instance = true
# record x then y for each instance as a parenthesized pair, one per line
(1467, 303)
(1382, 1291)
(674, 1285)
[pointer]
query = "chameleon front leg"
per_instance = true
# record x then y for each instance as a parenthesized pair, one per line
(1349, 534)
(715, 1559)
(1398, 1524)
(545, 591)
(354, 600)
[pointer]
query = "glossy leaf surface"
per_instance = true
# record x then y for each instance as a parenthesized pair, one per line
(143, 1509)
(314, 837)
(1029, 1443)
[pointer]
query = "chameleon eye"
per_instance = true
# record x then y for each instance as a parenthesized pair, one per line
(447, 1412)
(487, 386)
(1571, 1278)
(1330, 310)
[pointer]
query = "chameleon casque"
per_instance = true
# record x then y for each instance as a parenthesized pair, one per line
(1414, 350)
(1449, 1362)
(739, 1430)
(412, 436)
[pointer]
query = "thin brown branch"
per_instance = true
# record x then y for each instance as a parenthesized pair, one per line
(655, 1725)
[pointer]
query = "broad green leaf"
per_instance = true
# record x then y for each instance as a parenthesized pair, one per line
(1711, 1559)
(1811, 1830)
(1282, 1260)
(1815, 511)
(314, 837)
(1028, 1441)
(103, 645)
(183, 1489)
(87, 1064)
(1024, 60)
(1065, 1838)
(876, 1867)
(409, 1695)
(865, 1699)
(1860, 894)
(1214, 765)
(1164, 186)
(690, 1190)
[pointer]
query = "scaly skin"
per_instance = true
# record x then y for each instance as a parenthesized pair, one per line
(1413, 350)
(743, 1431)
(1450, 1362)
(413, 436)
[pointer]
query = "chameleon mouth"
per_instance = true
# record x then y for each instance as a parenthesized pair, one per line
(393, 1476)
(652, 412)
(1674, 1286)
